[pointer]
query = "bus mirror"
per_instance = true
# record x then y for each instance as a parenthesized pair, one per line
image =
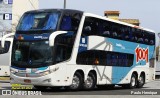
(53, 36)
(4, 37)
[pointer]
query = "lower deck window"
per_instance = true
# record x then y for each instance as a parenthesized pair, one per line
(96, 57)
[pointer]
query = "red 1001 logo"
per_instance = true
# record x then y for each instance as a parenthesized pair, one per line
(141, 54)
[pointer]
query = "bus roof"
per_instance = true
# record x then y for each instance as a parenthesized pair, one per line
(53, 10)
(89, 14)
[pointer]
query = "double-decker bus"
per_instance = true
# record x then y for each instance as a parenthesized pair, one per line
(5, 57)
(74, 49)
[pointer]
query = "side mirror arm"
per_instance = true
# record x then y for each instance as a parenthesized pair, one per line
(53, 36)
(4, 37)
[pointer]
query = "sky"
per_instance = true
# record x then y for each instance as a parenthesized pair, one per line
(147, 11)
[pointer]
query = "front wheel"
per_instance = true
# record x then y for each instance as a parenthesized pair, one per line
(90, 83)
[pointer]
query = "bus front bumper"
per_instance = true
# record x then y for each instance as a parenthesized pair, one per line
(47, 80)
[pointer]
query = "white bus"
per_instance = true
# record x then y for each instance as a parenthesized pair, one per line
(5, 57)
(74, 49)
(158, 58)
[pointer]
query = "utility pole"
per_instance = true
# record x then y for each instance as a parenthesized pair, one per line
(65, 4)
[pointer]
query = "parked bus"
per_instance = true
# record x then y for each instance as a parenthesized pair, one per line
(158, 58)
(74, 49)
(5, 57)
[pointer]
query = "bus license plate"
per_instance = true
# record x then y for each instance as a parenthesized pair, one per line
(27, 81)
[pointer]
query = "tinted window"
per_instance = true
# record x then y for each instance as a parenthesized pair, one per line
(99, 27)
(97, 57)
(6, 47)
(70, 22)
(38, 21)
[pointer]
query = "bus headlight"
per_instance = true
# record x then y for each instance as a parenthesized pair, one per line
(13, 71)
(48, 71)
(44, 73)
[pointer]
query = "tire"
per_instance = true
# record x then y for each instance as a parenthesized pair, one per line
(133, 81)
(132, 84)
(40, 87)
(141, 81)
(90, 83)
(77, 82)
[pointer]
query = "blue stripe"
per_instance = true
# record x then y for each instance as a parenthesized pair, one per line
(18, 68)
(42, 68)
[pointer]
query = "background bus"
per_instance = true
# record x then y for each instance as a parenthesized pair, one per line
(158, 58)
(71, 48)
(5, 57)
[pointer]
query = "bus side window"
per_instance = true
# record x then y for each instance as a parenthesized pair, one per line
(120, 59)
(114, 60)
(66, 23)
(106, 33)
(109, 62)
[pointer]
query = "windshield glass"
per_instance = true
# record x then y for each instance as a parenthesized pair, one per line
(31, 54)
(38, 21)
(34, 54)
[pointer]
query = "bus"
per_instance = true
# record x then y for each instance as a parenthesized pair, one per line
(5, 57)
(158, 58)
(78, 50)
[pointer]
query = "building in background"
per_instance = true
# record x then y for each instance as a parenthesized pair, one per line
(5, 16)
(115, 15)
(11, 11)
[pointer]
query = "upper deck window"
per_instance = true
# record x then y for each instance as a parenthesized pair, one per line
(38, 21)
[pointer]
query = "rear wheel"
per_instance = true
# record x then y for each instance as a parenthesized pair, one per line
(132, 84)
(141, 81)
(133, 81)
(77, 82)
(90, 82)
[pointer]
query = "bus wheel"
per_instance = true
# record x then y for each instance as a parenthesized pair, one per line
(77, 82)
(90, 83)
(133, 81)
(141, 81)
(40, 87)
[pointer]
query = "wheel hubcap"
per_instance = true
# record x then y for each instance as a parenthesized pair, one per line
(141, 80)
(89, 82)
(133, 81)
(75, 82)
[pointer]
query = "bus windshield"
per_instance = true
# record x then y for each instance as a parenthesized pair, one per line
(38, 21)
(34, 54)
